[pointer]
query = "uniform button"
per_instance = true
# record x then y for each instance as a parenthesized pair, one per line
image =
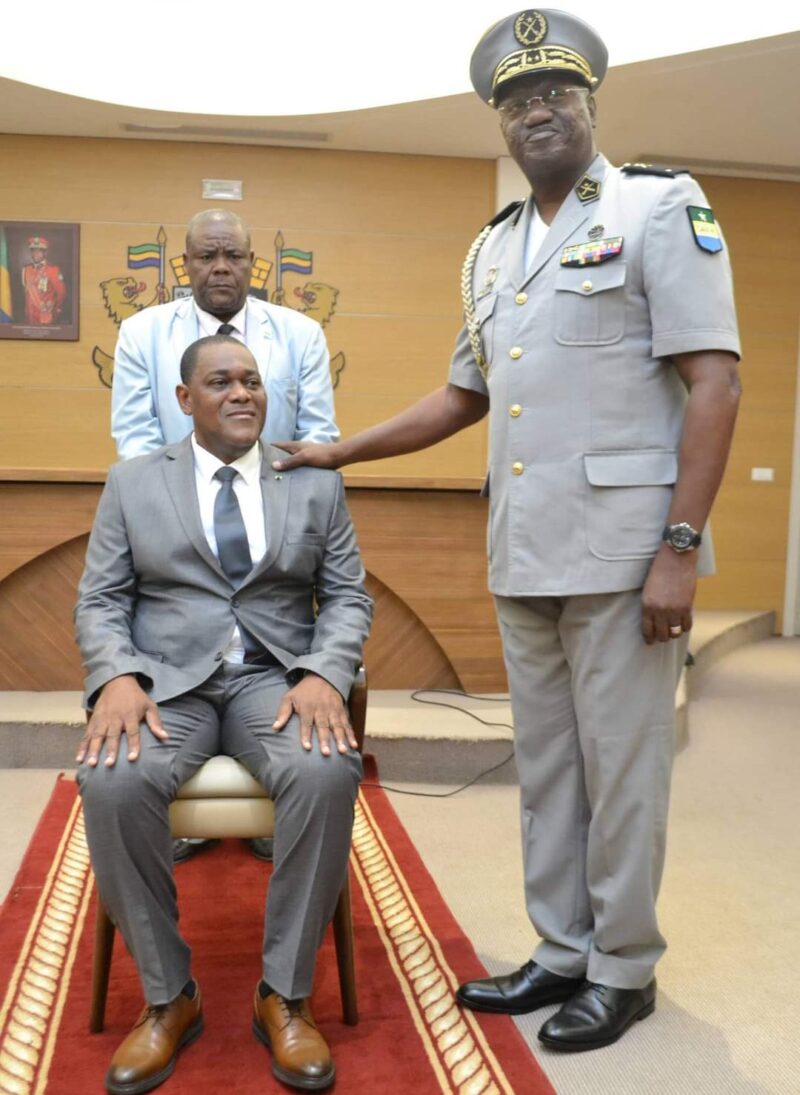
(517, 468)
(218, 657)
(587, 286)
(521, 298)
(515, 410)
(235, 602)
(515, 352)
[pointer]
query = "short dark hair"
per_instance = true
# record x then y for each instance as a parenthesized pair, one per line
(191, 355)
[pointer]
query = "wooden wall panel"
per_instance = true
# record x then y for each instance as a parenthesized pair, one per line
(54, 428)
(388, 233)
(37, 649)
(429, 548)
(35, 517)
(129, 181)
(424, 550)
(401, 652)
(750, 519)
(391, 361)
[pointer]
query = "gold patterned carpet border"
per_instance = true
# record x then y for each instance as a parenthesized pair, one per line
(34, 1001)
(457, 1049)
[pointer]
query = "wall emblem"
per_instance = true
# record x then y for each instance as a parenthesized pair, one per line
(158, 279)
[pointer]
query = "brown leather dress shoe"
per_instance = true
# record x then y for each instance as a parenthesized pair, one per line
(300, 1055)
(148, 1055)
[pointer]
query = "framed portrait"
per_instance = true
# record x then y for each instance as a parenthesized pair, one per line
(39, 286)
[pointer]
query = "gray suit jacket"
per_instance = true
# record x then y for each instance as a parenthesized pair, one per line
(154, 601)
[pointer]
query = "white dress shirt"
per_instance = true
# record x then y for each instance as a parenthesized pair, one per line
(537, 230)
(210, 325)
(247, 487)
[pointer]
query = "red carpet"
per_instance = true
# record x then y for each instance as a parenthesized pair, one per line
(410, 956)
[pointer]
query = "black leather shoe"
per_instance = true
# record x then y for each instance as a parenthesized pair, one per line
(261, 847)
(183, 849)
(519, 992)
(596, 1016)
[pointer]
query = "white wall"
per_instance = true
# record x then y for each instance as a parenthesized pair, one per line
(511, 184)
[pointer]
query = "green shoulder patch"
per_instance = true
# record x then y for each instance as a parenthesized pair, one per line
(705, 228)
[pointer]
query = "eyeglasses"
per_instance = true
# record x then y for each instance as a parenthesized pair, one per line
(554, 98)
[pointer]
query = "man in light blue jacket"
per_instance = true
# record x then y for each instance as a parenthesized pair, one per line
(289, 347)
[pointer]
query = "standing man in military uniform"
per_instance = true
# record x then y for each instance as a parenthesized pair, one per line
(601, 338)
(44, 287)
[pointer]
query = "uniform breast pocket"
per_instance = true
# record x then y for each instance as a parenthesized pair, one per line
(590, 304)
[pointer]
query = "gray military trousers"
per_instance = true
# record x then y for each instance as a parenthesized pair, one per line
(594, 732)
(127, 827)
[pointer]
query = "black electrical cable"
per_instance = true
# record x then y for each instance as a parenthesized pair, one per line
(454, 707)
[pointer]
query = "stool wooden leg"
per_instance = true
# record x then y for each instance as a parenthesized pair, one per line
(345, 954)
(101, 966)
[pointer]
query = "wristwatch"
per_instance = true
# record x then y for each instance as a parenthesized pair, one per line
(681, 537)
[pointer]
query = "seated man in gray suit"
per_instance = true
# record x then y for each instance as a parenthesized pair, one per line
(222, 610)
(290, 349)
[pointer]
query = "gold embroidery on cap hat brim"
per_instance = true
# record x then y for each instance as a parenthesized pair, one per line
(534, 60)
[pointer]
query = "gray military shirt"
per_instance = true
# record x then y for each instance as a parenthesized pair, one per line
(586, 407)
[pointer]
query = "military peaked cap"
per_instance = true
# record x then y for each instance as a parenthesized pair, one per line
(537, 40)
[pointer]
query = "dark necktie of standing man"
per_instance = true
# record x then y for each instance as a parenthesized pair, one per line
(232, 545)
(226, 329)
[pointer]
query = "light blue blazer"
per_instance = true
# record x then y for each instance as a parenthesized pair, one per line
(292, 357)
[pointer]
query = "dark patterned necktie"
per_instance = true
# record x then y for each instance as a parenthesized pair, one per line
(232, 546)
(226, 329)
